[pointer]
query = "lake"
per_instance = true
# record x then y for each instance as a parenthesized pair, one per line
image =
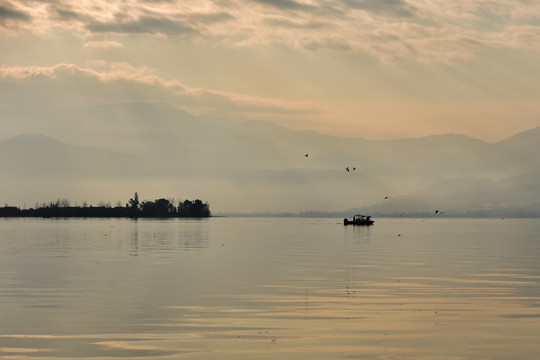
(269, 288)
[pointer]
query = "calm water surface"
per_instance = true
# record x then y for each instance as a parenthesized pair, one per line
(232, 288)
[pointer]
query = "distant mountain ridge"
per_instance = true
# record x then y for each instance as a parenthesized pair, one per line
(39, 155)
(257, 166)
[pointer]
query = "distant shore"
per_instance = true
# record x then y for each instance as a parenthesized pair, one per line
(93, 212)
(160, 208)
(495, 214)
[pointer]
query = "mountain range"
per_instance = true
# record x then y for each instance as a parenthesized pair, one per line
(108, 152)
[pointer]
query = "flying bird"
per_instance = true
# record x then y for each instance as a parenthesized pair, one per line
(436, 211)
(386, 197)
(306, 155)
(347, 168)
(353, 169)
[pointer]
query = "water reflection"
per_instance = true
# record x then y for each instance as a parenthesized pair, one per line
(269, 288)
(134, 238)
(360, 234)
(165, 235)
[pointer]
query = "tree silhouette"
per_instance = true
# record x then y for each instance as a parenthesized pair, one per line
(134, 202)
(159, 208)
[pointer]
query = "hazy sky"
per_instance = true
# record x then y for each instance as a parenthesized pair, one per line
(368, 68)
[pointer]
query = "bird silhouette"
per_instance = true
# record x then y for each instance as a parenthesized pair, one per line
(347, 168)
(306, 155)
(436, 211)
(353, 169)
(386, 197)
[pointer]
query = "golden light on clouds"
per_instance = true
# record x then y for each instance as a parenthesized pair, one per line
(377, 69)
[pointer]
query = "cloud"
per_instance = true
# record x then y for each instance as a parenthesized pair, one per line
(414, 30)
(10, 15)
(286, 23)
(105, 44)
(394, 8)
(67, 15)
(143, 25)
(335, 43)
(287, 5)
(524, 37)
(71, 85)
(211, 17)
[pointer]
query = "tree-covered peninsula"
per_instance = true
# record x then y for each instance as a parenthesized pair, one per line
(159, 208)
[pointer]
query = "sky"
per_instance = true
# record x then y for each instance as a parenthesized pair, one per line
(376, 69)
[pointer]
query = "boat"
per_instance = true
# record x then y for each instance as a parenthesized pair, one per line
(359, 220)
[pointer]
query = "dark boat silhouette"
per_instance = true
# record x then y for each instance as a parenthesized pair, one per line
(359, 220)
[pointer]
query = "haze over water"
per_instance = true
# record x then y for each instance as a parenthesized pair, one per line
(266, 288)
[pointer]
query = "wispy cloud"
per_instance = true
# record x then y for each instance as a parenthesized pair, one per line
(66, 14)
(142, 25)
(288, 23)
(393, 8)
(105, 44)
(210, 17)
(387, 29)
(10, 16)
(105, 82)
(287, 5)
(335, 43)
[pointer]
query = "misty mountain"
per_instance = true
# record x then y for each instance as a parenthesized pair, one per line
(157, 132)
(42, 156)
(467, 195)
(260, 166)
